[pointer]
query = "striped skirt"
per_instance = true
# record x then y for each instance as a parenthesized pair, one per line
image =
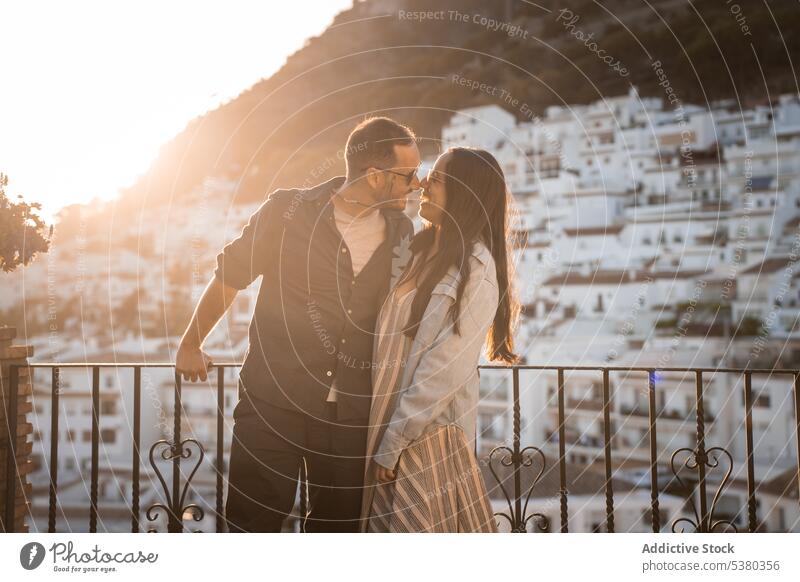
(438, 488)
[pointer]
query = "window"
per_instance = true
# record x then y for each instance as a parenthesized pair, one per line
(549, 167)
(108, 407)
(599, 305)
(108, 435)
(489, 427)
(87, 436)
(760, 400)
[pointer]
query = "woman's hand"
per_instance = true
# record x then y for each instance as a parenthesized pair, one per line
(385, 475)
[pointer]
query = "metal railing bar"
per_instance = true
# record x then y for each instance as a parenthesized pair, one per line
(652, 437)
(137, 454)
(95, 448)
(54, 415)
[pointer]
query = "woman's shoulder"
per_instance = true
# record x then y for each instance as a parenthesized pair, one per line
(482, 266)
(482, 254)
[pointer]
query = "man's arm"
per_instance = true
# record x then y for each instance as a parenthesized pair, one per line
(238, 264)
(191, 362)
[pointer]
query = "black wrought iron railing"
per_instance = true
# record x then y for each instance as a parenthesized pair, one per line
(513, 458)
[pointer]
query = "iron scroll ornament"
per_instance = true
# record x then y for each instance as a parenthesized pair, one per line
(174, 510)
(519, 460)
(693, 461)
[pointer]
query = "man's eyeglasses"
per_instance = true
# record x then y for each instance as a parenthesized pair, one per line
(409, 177)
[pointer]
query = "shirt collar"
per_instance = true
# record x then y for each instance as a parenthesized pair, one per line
(321, 194)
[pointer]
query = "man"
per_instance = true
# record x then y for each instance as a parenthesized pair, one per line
(326, 256)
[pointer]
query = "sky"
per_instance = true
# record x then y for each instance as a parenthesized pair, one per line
(91, 89)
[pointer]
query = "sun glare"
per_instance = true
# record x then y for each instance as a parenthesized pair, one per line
(92, 91)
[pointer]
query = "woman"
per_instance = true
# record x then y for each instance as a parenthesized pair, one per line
(455, 295)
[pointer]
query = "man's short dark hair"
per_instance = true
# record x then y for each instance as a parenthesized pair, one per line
(371, 144)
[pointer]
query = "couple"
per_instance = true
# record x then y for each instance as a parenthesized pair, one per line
(365, 341)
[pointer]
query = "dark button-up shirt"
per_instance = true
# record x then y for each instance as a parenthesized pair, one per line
(314, 320)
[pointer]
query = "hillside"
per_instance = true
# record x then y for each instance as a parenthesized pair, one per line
(285, 130)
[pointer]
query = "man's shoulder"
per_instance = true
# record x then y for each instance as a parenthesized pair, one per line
(289, 199)
(282, 199)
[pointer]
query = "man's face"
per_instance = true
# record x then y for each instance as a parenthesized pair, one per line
(400, 180)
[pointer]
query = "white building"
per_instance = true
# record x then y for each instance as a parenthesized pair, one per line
(652, 237)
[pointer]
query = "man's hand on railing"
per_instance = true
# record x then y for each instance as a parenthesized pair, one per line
(192, 363)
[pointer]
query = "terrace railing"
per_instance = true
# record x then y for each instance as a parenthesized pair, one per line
(514, 457)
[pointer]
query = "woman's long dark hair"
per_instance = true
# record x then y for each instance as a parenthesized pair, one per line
(476, 209)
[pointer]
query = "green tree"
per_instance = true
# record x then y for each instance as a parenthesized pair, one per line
(21, 231)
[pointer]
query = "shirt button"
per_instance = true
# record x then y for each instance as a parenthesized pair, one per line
(349, 311)
(329, 373)
(344, 250)
(353, 282)
(344, 341)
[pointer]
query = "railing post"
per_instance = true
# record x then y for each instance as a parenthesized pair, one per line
(516, 457)
(651, 401)
(607, 451)
(562, 461)
(95, 448)
(218, 463)
(700, 455)
(136, 461)
(174, 450)
(176, 514)
(15, 448)
(55, 390)
(748, 424)
(797, 428)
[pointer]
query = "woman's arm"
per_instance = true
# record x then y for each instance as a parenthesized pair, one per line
(445, 366)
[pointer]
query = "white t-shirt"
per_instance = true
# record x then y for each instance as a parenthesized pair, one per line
(362, 235)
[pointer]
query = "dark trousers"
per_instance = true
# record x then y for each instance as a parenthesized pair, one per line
(267, 450)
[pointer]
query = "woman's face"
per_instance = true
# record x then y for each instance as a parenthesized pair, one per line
(433, 198)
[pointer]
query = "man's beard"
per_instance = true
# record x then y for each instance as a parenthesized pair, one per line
(393, 201)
